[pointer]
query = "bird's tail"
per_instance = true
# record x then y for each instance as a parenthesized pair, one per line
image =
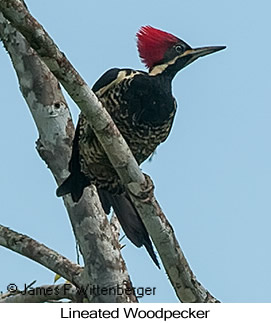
(74, 184)
(129, 220)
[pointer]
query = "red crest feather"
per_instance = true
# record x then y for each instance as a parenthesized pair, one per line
(152, 44)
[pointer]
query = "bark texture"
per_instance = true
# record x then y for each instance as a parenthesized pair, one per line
(104, 265)
(187, 288)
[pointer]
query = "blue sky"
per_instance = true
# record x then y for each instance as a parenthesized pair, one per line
(212, 176)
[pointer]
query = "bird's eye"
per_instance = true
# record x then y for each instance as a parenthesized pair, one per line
(178, 48)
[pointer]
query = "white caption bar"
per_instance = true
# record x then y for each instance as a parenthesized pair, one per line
(136, 312)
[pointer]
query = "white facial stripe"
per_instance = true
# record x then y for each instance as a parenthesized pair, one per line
(158, 69)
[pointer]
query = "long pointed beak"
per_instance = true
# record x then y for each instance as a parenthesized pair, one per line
(190, 55)
(202, 51)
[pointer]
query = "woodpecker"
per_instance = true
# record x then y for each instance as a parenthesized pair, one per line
(143, 108)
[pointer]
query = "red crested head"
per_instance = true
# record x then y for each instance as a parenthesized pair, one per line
(153, 43)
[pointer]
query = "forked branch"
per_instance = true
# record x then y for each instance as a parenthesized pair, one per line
(184, 282)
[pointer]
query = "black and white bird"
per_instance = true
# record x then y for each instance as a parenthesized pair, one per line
(143, 108)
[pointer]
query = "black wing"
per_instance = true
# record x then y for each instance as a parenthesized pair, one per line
(77, 181)
(106, 79)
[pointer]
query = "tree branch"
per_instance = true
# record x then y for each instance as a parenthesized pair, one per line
(104, 265)
(187, 287)
(100, 120)
(181, 276)
(38, 252)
